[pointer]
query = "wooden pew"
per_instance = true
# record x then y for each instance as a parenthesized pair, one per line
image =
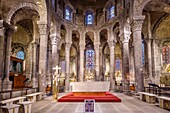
(148, 97)
(34, 96)
(10, 101)
(12, 108)
(164, 102)
(26, 105)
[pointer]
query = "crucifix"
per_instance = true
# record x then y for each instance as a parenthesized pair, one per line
(55, 83)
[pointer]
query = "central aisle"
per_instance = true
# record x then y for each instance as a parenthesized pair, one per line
(128, 105)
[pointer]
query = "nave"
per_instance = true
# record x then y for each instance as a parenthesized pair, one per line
(128, 105)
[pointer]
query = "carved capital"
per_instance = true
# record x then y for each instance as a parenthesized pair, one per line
(43, 29)
(54, 39)
(111, 43)
(137, 23)
(68, 45)
(34, 43)
(125, 37)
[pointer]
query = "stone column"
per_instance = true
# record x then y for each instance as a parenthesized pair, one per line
(2, 49)
(43, 30)
(67, 59)
(54, 40)
(125, 64)
(149, 58)
(131, 68)
(97, 65)
(112, 62)
(55, 60)
(2, 40)
(101, 64)
(7, 85)
(34, 62)
(137, 41)
(82, 48)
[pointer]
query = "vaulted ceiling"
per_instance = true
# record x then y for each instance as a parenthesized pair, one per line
(88, 3)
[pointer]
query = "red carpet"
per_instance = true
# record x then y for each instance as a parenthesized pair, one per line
(107, 98)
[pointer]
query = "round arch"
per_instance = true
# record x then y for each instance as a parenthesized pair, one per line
(21, 6)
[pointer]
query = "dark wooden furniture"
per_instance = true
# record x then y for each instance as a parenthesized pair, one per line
(16, 73)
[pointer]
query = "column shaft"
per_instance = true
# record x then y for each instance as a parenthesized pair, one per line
(34, 62)
(81, 71)
(67, 58)
(8, 54)
(125, 65)
(149, 58)
(97, 65)
(43, 29)
(2, 40)
(137, 41)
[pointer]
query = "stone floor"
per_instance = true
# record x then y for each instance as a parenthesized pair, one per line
(128, 105)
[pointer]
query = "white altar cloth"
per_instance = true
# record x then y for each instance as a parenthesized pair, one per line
(90, 86)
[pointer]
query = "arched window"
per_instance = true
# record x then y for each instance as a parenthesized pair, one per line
(20, 54)
(68, 14)
(118, 64)
(165, 54)
(111, 12)
(90, 59)
(89, 18)
(143, 52)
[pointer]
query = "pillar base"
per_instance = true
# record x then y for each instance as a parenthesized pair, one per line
(7, 85)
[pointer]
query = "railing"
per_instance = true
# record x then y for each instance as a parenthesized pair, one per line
(155, 89)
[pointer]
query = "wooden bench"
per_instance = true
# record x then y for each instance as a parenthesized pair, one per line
(26, 105)
(164, 102)
(10, 101)
(12, 108)
(34, 96)
(148, 97)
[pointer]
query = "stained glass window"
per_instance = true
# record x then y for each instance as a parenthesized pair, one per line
(90, 59)
(165, 54)
(143, 52)
(118, 64)
(111, 12)
(89, 18)
(20, 55)
(68, 13)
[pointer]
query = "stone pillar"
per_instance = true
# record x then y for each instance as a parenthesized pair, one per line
(97, 64)
(54, 40)
(67, 58)
(34, 62)
(149, 58)
(43, 30)
(7, 85)
(125, 60)
(112, 62)
(82, 48)
(131, 68)
(101, 64)
(137, 41)
(55, 60)
(2, 40)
